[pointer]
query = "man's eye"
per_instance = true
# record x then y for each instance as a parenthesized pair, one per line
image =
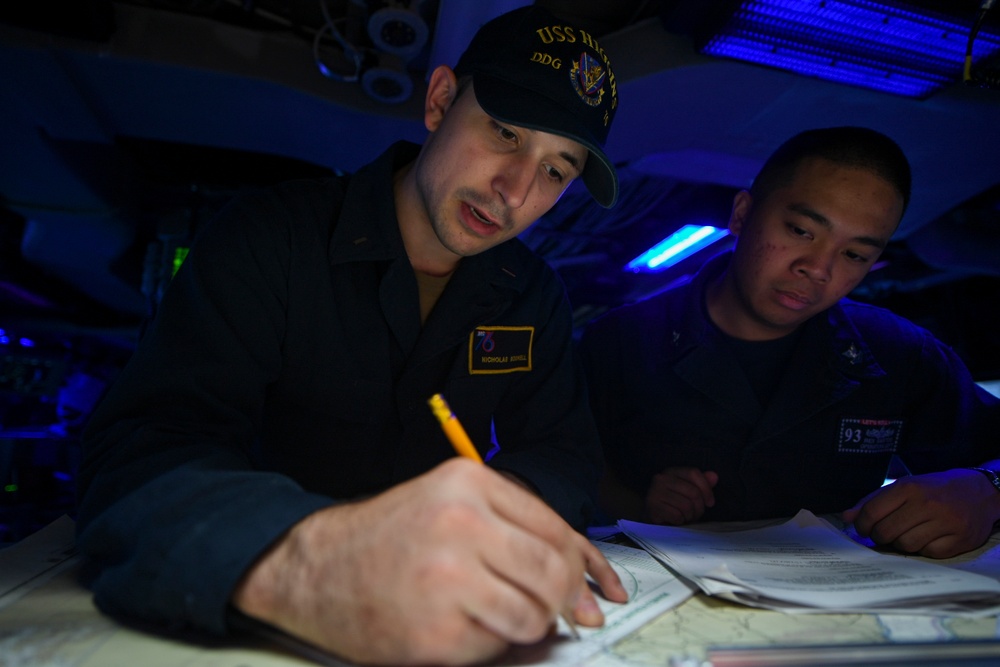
(798, 231)
(505, 134)
(554, 174)
(855, 257)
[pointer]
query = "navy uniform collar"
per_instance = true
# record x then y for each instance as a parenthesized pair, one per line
(693, 326)
(833, 330)
(852, 356)
(367, 229)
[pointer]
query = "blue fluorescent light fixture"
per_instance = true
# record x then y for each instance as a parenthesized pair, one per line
(683, 243)
(888, 45)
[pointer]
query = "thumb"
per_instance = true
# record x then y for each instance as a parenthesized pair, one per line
(586, 611)
(849, 515)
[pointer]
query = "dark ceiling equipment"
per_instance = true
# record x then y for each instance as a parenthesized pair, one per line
(376, 43)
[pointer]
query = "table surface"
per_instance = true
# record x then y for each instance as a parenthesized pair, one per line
(47, 618)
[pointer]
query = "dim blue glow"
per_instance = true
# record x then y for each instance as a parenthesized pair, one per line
(858, 42)
(683, 243)
(992, 386)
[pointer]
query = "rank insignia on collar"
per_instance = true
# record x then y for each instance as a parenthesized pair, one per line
(852, 354)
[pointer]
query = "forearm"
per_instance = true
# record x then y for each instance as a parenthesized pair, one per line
(172, 550)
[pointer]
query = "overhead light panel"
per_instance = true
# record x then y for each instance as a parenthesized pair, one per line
(683, 243)
(889, 46)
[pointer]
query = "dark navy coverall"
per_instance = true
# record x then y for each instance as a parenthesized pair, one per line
(287, 368)
(861, 385)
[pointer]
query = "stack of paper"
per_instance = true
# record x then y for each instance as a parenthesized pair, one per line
(807, 565)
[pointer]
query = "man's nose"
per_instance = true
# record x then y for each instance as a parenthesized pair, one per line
(816, 266)
(515, 180)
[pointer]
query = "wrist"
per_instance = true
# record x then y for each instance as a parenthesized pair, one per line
(990, 474)
(255, 595)
(993, 502)
(273, 585)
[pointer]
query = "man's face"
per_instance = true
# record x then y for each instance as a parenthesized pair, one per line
(484, 182)
(804, 247)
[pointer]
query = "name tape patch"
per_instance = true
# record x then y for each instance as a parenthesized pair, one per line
(500, 349)
(869, 436)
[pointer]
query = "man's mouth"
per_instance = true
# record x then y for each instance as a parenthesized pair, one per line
(479, 222)
(479, 216)
(793, 299)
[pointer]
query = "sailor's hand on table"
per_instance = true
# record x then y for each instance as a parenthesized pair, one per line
(937, 515)
(680, 495)
(448, 568)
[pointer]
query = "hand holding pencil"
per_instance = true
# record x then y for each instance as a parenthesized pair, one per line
(449, 567)
(594, 560)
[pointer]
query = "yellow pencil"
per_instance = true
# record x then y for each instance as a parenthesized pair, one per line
(457, 436)
(459, 439)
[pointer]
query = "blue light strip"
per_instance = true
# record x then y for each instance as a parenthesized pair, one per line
(683, 243)
(857, 42)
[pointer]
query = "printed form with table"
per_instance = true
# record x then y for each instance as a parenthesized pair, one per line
(797, 592)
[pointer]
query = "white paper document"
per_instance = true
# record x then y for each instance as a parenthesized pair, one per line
(807, 565)
(652, 589)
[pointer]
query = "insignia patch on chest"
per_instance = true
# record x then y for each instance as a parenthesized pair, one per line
(869, 436)
(500, 349)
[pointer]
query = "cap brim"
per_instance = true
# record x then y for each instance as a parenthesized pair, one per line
(510, 103)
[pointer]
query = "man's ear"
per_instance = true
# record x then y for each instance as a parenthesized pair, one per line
(441, 91)
(742, 203)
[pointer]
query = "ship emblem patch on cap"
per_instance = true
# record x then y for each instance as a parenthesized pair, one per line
(588, 79)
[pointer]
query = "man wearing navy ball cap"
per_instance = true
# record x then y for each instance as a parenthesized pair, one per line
(268, 458)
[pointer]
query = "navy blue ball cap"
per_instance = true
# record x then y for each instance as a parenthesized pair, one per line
(534, 70)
